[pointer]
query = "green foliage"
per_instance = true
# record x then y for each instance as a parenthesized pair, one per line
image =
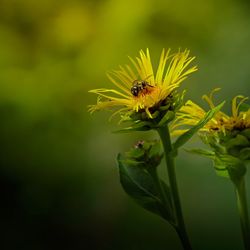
(236, 168)
(225, 165)
(219, 165)
(139, 179)
(169, 116)
(139, 126)
(146, 154)
(204, 152)
(245, 154)
(181, 140)
(238, 141)
(234, 143)
(220, 168)
(246, 133)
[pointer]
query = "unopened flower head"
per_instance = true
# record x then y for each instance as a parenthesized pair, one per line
(139, 88)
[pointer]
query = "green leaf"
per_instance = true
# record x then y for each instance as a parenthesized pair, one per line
(237, 171)
(179, 101)
(155, 150)
(236, 168)
(239, 140)
(245, 154)
(221, 168)
(181, 140)
(169, 116)
(139, 185)
(141, 126)
(147, 153)
(246, 133)
(203, 152)
(135, 153)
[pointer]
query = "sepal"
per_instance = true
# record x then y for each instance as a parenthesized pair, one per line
(153, 118)
(138, 126)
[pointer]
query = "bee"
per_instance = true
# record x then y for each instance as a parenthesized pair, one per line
(140, 86)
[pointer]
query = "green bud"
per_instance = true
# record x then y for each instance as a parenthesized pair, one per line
(234, 143)
(145, 154)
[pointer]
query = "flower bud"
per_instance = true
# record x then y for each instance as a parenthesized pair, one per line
(145, 154)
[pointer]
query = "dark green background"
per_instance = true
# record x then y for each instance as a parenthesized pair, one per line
(58, 179)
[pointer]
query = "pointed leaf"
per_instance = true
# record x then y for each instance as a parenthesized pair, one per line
(203, 152)
(239, 140)
(181, 140)
(221, 168)
(236, 168)
(139, 185)
(169, 116)
(155, 150)
(141, 126)
(246, 133)
(245, 154)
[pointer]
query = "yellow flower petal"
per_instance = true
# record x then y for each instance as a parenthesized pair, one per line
(190, 114)
(155, 88)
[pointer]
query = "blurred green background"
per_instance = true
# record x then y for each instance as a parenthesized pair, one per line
(58, 178)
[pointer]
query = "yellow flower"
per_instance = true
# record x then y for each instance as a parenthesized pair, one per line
(190, 114)
(139, 88)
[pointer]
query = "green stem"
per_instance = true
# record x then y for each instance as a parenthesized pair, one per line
(243, 211)
(180, 225)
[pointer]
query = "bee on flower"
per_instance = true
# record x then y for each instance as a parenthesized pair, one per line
(140, 89)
